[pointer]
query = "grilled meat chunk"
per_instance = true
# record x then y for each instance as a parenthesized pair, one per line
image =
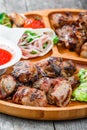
(25, 71)
(30, 96)
(72, 37)
(67, 36)
(83, 52)
(54, 67)
(82, 19)
(43, 84)
(68, 68)
(59, 20)
(45, 67)
(58, 90)
(7, 86)
(81, 35)
(60, 94)
(72, 31)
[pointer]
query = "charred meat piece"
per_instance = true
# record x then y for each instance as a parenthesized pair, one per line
(7, 86)
(82, 19)
(60, 94)
(62, 68)
(72, 32)
(83, 52)
(17, 19)
(30, 97)
(45, 67)
(68, 68)
(73, 80)
(56, 67)
(25, 71)
(67, 36)
(43, 84)
(72, 37)
(59, 20)
(81, 35)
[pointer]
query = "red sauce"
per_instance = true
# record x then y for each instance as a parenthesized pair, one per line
(5, 56)
(33, 23)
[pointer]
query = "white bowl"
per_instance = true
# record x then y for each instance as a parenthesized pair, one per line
(13, 49)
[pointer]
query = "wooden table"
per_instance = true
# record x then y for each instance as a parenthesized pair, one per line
(13, 123)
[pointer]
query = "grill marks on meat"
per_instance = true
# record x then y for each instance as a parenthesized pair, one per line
(49, 80)
(60, 94)
(46, 67)
(58, 20)
(82, 19)
(58, 91)
(43, 84)
(56, 67)
(67, 36)
(30, 96)
(7, 86)
(72, 31)
(24, 71)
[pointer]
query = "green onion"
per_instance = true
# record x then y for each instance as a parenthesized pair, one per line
(33, 52)
(45, 45)
(29, 39)
(30, 33)
(55, 40)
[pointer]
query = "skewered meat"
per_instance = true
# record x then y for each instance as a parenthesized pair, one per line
(54, 67)
(60, 94)
(30, 96)
(83, 52)
(17, 19)
(25, 71)
(7, 86)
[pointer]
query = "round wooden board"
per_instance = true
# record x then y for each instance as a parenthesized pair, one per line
(74, 110)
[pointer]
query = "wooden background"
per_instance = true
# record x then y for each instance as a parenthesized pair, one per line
(13, 123)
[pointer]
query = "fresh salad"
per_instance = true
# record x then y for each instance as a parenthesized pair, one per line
(5, 20)
(39, 42)
(80, 93)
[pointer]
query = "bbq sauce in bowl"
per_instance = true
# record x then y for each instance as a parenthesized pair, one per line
(5, 56)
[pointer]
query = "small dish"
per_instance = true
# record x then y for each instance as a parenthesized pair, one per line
(11, 48)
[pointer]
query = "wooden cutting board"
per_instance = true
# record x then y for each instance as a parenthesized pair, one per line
(74, 110)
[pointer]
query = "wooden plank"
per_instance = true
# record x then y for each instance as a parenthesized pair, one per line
(80, 124)
(6, 122)
(32, 4)
(71, 125)
(13, 123)
(15, 6)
